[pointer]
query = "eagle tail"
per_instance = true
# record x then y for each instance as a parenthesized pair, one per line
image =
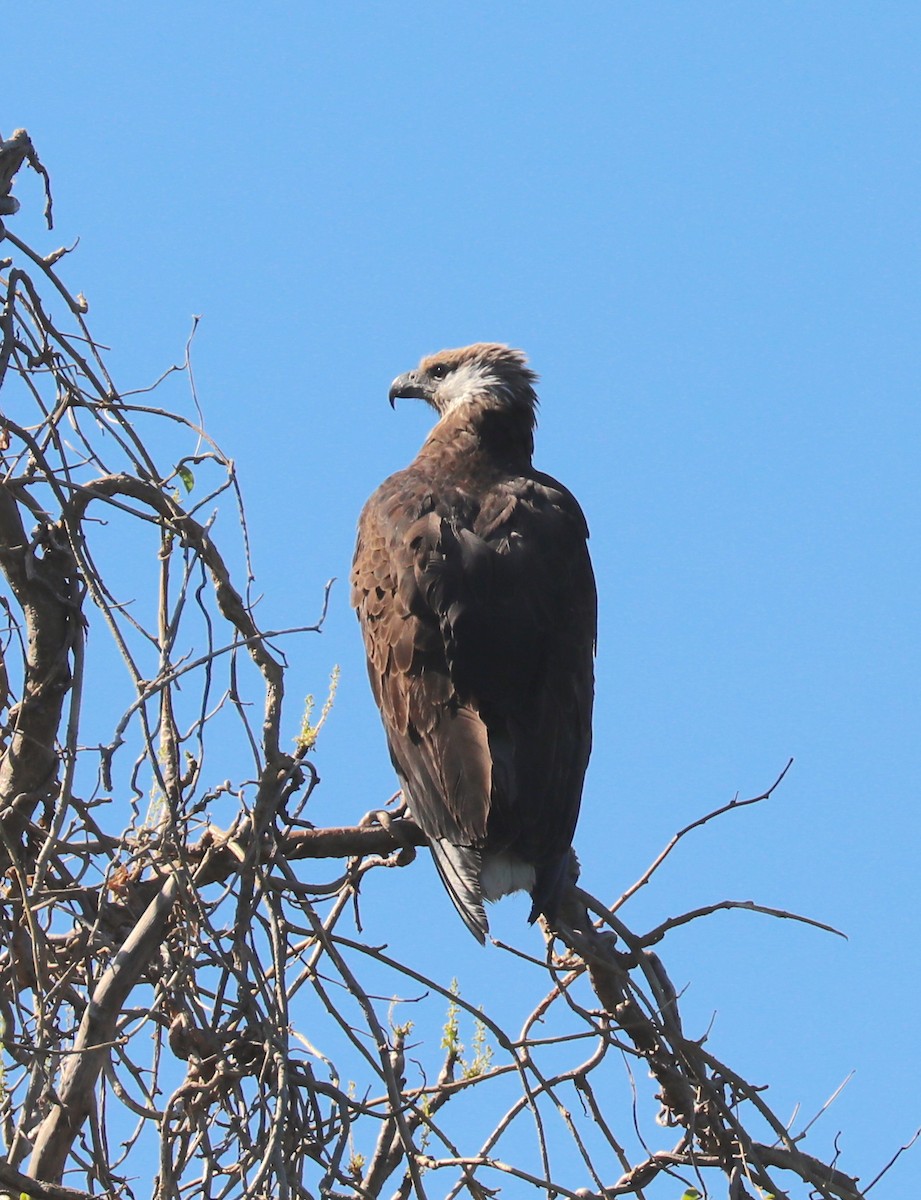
(459, 868)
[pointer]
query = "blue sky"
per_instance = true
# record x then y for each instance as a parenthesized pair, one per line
(701, 222)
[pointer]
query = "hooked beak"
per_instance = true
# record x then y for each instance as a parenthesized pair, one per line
(408, 385)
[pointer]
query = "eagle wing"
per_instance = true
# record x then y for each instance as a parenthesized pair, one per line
(478, 610)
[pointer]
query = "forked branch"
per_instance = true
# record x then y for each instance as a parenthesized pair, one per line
(171, 989)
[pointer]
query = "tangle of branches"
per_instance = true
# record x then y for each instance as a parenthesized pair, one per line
(182, 1014)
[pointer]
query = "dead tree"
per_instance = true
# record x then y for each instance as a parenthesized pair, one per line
(173, 992)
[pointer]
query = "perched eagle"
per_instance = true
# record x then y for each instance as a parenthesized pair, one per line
(476, 599)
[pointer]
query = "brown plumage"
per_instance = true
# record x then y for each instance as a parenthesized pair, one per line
(476, 599)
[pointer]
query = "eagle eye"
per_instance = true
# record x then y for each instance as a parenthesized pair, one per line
(438, 371)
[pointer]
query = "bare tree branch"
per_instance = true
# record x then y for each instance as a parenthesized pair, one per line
(170, 989)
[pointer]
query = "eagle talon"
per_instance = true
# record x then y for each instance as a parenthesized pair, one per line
(377, 816)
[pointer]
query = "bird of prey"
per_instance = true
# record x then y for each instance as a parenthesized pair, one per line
(476, 600)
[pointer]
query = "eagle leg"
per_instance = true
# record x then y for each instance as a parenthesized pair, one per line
(551, 884)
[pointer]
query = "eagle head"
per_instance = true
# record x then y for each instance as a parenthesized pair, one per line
(487, 373)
